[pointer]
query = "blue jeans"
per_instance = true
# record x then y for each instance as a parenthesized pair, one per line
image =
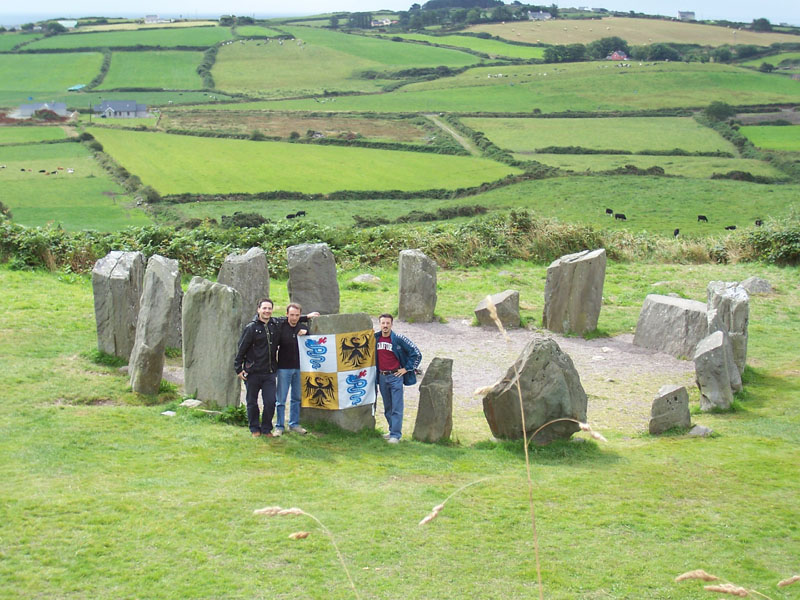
(264, 383)
(391, 388)
(288, 378)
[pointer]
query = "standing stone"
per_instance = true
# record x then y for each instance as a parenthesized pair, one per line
(117, 287)
(732, 303)
(715, 371)
(671, 325)
(153, 326)
(670, 409)
(211, 313)
(248, 274)
(312, 278)
(417, 275)
(435, 413)
(756, 285)
(354, 418)
(551, 389)
(573, 292)
(507, 306)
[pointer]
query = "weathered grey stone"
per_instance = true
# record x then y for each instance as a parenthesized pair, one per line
(152, 328)
(700, 431)
(366, 278)
(117, 286)
(417, 274)
(507, 306)
(350, 419)
(312, 278)
(756, 285)
(174, 334)
(732, 303)
(248, 274)
(169, 413)
(211, 313)
(435, 412)
(671, 325)
(191, 403)
(670, 409)
(573, 292)
(715, 371)
(551, 389)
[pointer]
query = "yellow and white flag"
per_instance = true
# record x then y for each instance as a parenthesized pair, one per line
(337, 371)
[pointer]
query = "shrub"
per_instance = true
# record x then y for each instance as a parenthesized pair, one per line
(240, 219)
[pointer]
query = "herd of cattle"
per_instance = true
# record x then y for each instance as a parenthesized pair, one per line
(45, 171)
(676, 232)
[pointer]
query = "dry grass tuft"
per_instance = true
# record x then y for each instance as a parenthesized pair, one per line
(439, 507)
(790, 581)
(298, 535)
(697, 574)
(727, 588)
(270, 511)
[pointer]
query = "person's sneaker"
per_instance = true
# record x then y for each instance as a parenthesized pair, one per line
(392, 440)
(256, 434)
(277, 432)
(298, 429)
(386, 436)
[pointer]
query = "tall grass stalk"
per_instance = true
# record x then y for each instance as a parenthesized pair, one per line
(726, 587)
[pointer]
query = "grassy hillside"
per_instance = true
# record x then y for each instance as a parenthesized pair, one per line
(165, 38)
(493, 48)
(774, 137)
(9, 40)
(169, 70)
(19, 135)
(44, 77)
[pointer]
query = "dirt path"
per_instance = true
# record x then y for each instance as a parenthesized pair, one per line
(466, 143)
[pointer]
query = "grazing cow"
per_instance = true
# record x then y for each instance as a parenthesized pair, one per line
(42, 171)
(759, 222)
(300, 213)
(676, 232)
(702, 219)
(22, 169)
(53, 172)
(620, 217)
(290, 216)
(609, 212)
(730, 227)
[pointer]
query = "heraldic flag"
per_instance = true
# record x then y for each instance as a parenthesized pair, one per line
(338, 370)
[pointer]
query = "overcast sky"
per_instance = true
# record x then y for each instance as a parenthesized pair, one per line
(777, 11)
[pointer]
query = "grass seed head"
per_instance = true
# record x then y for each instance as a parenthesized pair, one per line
(298, 535)
(493, 314)
(291, 511)
(727, 588)
(482, 391)
(697, 574)
(270, 511)
(790, 581)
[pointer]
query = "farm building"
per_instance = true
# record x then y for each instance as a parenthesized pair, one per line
(120, 109)
(617, 55)
(686, 15)
(539, 15)
(27, 110)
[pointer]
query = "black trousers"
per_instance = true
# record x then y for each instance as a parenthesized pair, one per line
(264, 383)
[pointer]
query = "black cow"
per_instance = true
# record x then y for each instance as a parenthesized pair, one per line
(620, 216)
(609, 212)
(759, 222)
(676, 232)
(730, 227)
(702, 219)
(300, 213)
(290, 216)
(42, 171)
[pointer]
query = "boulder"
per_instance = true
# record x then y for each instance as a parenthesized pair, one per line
(248, 274)
(366, 278)
(670, 409)
(732, 304)
(117, 287)
(551, 389)
(716, 373)
(354, 418)
(312, 278)
(756, 285)
(573, 292)
(417, 274)
(671, 325)
(211, 317)
(507, 306)
(435, 413)
(153, 326)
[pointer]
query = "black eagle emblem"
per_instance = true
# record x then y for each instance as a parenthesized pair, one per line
(319, 391)
(356, 350)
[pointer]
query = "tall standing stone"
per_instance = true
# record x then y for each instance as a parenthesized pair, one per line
(248, 274)
(732, 303)
(312, 278)
(211, 314)
(506, 304)
(671, 325)
(175, 334)
(417, 275)
(573, 292)
(550, 388)
(715, 371)
(435, 413)
(153, 326)
(670, 409)
(117, 287)
(354, 418)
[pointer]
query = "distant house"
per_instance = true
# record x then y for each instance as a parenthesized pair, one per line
(151, 18)
(617, 55)
(120, 109)
(539, 15)
(68, 23)
(381, 22)
(28, 110)
(685, 15)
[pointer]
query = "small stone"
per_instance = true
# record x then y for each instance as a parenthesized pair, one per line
(169, 413)
(191, 403)
(700, 431)
(365, 278)
(756, 285)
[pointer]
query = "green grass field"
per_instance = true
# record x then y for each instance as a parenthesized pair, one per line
(102, 494)
(490, 47)
(580, 87)
(84, 199)
(256, 31)
(633, 134)
(9, 40)
(782, 137)
(214, 166)
(44, 77)
(21, 135)
(168, 70)
(165, 38)
(775, 60)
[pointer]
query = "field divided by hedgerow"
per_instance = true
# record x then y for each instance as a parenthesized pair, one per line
(773, 137)
(165, 38)
(9, 40)
(20, 135)
(219, 166)
(26, 78)
(632, 134)
(775, 60)
(494, 48)
(157, 69)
